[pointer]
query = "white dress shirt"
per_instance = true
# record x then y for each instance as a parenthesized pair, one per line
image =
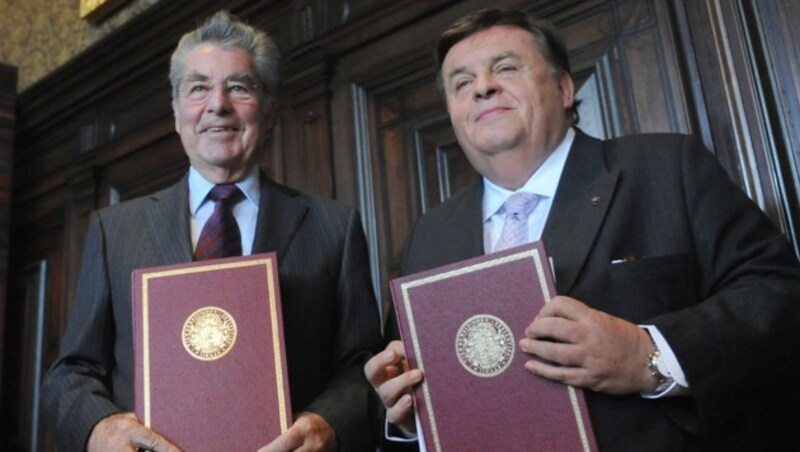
(543, 183)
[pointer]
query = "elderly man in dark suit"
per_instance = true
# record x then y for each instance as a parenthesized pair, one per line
(224, 77)
(678, 306)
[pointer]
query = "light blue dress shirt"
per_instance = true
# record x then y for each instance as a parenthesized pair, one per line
(245, 212)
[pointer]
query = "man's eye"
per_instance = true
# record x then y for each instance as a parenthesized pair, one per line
(461, 84)
(238, 88)
(506, 69)
(198, 88)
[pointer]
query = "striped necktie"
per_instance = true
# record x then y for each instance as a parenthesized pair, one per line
(220, 236)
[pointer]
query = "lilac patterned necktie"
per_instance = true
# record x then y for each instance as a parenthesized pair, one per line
(515, 229)
(220, 236)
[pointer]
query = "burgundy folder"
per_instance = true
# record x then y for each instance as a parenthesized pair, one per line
(210, 366)
(461, 325)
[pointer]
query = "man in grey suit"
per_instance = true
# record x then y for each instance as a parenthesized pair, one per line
(678, 308)
(224, 77)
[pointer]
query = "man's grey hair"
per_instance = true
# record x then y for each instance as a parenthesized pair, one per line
(227, 31)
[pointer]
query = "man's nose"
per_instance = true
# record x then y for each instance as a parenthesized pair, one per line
(485, 86)
(218, 100)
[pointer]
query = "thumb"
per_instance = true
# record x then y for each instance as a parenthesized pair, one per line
(149, 440)
(283, 443)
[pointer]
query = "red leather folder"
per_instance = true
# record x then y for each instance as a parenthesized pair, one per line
(461, 325)
(210, 365)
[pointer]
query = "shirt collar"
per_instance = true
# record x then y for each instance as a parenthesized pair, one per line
(199, 188)
(543, 182)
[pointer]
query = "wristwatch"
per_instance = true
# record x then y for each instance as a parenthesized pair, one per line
(659, 370)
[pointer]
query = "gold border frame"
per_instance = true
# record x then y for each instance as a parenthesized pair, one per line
(95, 10)
(273, 314)
(404, 287)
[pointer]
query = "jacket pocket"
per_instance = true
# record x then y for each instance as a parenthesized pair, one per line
(651, 286)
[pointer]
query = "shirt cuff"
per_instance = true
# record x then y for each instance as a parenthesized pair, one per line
(420, 439)
(679, 384)
(393, 434)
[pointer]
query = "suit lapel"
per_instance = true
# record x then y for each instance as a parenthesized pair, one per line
(584, 194)
(280, 213)
(466, 228)
(168, 223)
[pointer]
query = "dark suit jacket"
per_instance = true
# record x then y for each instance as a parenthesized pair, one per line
(713, 274)
(331, 322)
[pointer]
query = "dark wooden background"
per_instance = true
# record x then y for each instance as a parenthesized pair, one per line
(360, 121)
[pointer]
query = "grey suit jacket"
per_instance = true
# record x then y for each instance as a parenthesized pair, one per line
(712, 273)
(331, 322)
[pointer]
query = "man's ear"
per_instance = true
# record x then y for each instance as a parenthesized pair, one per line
(567, 87)
(175, 114)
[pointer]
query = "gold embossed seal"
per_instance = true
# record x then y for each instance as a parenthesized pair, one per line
(485, 345)
(209, 333)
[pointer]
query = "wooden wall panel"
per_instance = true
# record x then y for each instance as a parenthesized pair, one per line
(776, 58)
(745, 95)
(305, 122)
(8, 121)
(443, 169)
(649, 103)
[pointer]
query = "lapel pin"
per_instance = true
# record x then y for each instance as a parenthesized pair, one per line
(595, 200)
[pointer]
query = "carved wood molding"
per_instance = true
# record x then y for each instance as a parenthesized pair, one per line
(8, 95)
